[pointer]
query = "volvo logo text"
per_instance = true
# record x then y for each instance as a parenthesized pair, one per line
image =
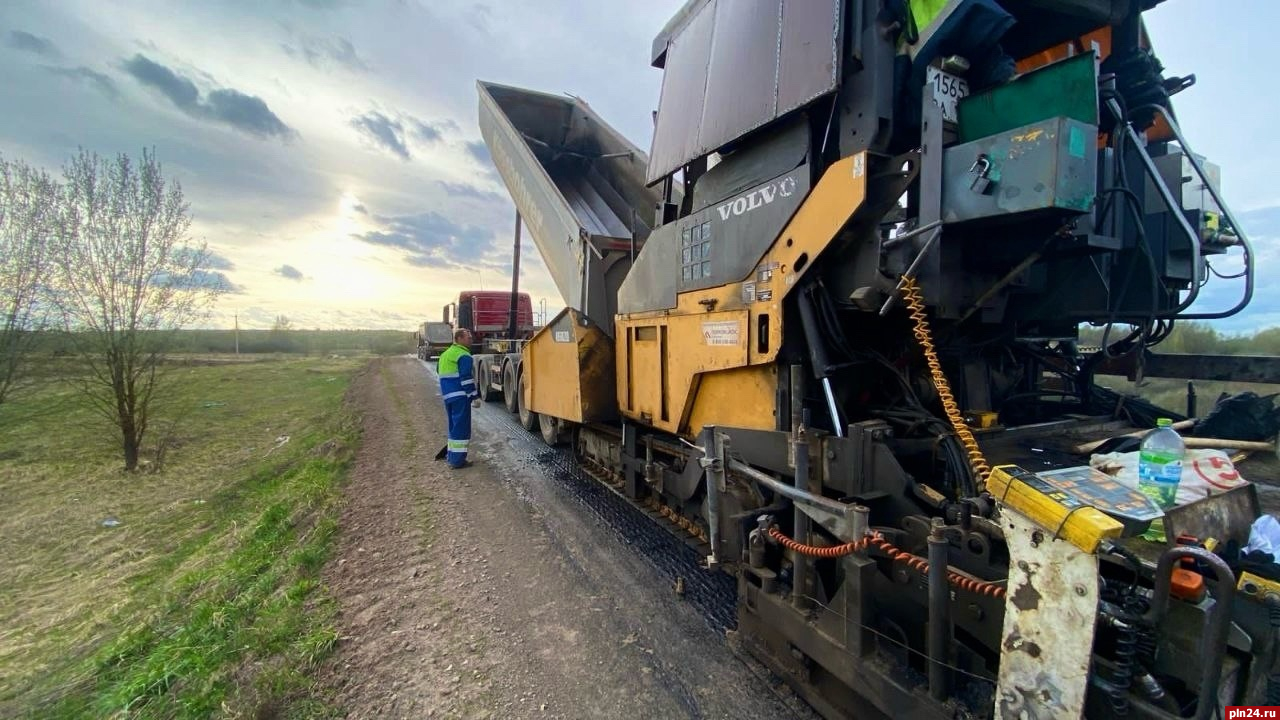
(757, 198)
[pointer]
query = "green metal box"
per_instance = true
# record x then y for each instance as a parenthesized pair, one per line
(1047, 166)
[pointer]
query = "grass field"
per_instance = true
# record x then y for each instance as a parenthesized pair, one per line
(1172, 394)
(191, 588)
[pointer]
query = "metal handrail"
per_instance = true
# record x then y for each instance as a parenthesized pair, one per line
(1174, 205)
(1213, 644)
(1236, 226)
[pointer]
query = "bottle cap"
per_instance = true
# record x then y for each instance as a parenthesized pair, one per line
(1164, 422)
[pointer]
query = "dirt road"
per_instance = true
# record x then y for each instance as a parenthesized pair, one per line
(512, 589)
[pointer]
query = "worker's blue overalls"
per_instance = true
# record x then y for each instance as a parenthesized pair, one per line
(458, 386)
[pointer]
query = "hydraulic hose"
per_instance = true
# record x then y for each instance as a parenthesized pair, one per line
(915, 562)
(915, 303)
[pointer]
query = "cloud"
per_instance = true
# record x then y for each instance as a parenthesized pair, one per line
(432, 240)
(480, 151)
(246, 113)
(323, 53)
(207, 279)
(215, 279)
(25, 41)
(180, 91)
(394, 133)
(468, 191)
(392, 316)
(480, 17)
(431, 132)
(290, 272)
(208, 259)
(85, 75)
(214, 261)
(1261, 222)
(431, 261)
(383, 131)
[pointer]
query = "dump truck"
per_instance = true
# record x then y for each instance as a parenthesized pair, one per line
(433, 339)
(827, 328)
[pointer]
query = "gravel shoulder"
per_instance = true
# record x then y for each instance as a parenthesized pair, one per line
(496, 591)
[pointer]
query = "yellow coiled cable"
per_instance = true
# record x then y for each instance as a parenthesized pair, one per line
(915, 302)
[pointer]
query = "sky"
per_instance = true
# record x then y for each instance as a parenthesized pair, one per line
(330, 152)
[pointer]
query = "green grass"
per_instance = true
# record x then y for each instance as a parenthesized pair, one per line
(1172, 394)
(206, 600)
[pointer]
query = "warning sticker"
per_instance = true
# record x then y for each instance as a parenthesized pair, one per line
(721, 333)
(764, 295)
(563, 336)
(748, 292)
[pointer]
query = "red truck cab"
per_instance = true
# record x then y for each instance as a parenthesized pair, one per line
(487, 314)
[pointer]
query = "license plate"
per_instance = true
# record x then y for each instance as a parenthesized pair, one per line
(947, 90)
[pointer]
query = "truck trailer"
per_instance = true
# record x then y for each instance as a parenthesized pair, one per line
(828, 328)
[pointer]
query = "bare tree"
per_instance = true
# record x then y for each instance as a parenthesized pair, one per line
(127, 278)
(28, 202)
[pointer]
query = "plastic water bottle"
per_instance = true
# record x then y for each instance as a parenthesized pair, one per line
(1159, 470)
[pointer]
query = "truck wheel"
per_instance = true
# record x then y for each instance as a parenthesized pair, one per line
(551, 433)
(484, 382)
(528, 418)
(510, 393)
(555, 431)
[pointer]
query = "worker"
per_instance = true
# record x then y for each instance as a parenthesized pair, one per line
(458, 387)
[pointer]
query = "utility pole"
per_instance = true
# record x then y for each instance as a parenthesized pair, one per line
(513, 324)
(237, 315)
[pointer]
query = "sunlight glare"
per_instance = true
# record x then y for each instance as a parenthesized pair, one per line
(350, 211)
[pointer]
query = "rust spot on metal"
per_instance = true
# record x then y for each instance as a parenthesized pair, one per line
(1015, 642)
(1011, 642)
(1026, 597)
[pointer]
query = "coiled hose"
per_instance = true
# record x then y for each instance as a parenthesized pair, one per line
(1136, 607)
(833, 551)
(915, 562)
(1125, 649)
(915, 303)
